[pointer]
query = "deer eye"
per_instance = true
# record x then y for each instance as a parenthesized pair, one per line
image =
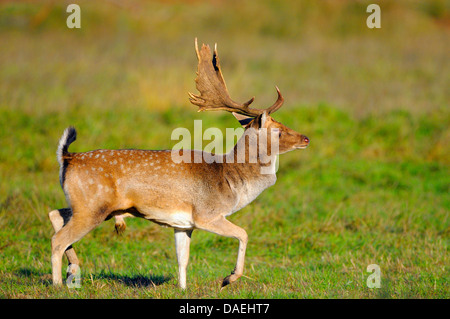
(279, 134)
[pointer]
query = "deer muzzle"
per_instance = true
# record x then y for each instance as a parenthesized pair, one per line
(304, 142)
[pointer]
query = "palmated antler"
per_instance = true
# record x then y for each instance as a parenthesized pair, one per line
(213, 90)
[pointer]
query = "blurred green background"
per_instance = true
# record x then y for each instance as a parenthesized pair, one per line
(373, 187)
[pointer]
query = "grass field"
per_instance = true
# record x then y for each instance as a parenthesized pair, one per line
(372, 188)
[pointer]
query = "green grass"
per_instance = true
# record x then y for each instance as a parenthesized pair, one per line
(372, 188)
(332, 213)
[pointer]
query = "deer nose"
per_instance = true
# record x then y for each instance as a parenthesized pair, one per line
(306, 140)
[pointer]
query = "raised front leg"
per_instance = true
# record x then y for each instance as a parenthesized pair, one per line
(182, 243)
(223, 227)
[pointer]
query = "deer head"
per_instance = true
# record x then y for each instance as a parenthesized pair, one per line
(214, 96)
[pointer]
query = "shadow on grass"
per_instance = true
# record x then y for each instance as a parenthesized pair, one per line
(27, 272)
(137, 280)
(33, 276)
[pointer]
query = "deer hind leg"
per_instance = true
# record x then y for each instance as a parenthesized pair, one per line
(182, 243)
(223, 227)
(59, 218)
(120, 224)
(76, 228)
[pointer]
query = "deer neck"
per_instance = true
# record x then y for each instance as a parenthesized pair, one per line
(248, 169)
(252, 153)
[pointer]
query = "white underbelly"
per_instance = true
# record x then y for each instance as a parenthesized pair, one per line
(181, 220)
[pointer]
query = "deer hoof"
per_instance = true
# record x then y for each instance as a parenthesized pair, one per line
(72, 270)
(230, 279)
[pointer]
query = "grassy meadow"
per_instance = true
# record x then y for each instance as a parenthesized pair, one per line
(372, 188)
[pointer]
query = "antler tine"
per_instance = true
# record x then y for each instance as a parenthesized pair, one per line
(196, 49)
(246, 104)
(278, 103)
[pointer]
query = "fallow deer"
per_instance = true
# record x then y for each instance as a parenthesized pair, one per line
(102, 184)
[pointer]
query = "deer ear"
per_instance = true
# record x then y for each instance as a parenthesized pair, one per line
(259, 121)
(263, 119)
(244, 120)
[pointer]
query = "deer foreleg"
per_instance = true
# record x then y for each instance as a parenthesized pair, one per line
(182, 243)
